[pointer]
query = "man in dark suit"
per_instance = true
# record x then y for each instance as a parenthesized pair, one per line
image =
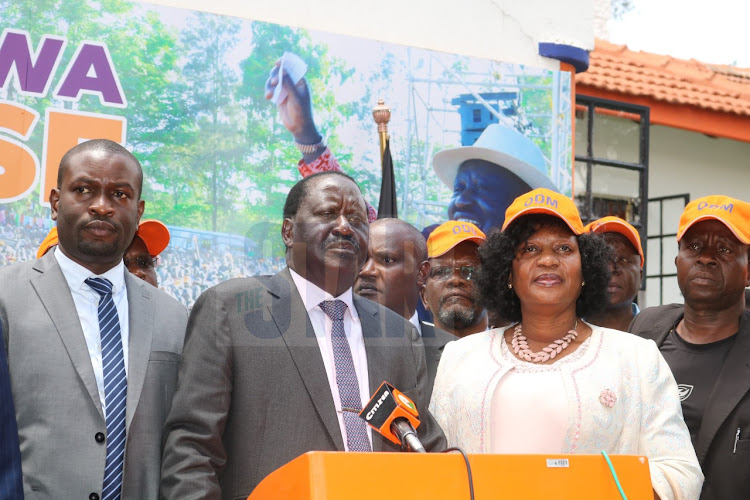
(395, 271)
(11, 480)
(93, 351)
(706, 342)
(266, 375)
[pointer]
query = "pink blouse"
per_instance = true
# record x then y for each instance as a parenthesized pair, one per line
(529, 407)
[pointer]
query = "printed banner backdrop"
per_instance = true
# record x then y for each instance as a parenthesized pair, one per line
(184, 90)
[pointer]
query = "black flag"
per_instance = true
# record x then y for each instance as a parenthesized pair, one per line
(387, 206)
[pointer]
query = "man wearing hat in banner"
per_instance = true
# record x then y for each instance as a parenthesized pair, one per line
(450, 292)
(706, 341)
(485, 178)
(626, 269)
(140, 258)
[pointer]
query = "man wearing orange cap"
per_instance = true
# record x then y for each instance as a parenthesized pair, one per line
(149, 241)
(706, 342)
(450, 292)
(627, 272)
(49, 242)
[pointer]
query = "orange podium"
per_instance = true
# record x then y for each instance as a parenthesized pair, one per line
(320, 475)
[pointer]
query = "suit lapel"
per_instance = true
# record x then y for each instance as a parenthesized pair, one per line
(664, 323)
(378, 366)
(54, 293)
(304, 350)
(140, 321)
(731, 386)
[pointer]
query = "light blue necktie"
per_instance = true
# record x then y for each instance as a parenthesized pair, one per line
(115, 387)
(346, 377)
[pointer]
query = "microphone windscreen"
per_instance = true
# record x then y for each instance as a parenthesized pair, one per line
(386, 405)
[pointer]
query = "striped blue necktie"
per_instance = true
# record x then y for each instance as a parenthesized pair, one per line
(346, 378)
(115, 387)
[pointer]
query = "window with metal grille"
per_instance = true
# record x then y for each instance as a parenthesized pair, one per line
(611, 170)
(660, 271)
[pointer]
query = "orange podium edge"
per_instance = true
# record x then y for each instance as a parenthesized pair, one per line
(322, 475)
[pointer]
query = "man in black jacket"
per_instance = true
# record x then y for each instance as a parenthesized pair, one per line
(706, 342)
(395, 270)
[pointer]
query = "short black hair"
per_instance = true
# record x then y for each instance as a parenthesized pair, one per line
(497, 253)
(98, 145)
(414, 235)
(299, 191)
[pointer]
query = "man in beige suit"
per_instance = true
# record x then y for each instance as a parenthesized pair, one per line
(93, 351)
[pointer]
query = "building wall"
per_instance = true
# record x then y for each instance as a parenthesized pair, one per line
(506, 30)
(683, 162)
(680, 162)
(689, 162)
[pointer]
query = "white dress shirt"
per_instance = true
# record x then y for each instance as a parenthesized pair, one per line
(414, 320)
(312, 296)
(86, 301)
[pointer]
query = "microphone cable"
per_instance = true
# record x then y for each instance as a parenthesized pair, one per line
(468, 468)
(614, 475)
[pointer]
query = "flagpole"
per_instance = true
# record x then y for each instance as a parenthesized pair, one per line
(382, 115)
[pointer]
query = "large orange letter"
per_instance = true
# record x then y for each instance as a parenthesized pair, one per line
(65, 129)
(19, 166)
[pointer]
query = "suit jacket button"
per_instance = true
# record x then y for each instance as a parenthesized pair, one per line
(99, 439)
(94, 496)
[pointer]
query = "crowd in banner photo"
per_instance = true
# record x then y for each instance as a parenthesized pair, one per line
(183, 273)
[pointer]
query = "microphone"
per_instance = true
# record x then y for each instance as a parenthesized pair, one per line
(394, 417)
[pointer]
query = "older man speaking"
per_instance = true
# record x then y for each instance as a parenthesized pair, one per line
(277, 366)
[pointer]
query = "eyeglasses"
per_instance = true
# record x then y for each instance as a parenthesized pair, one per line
(443, 273)
(144, 262)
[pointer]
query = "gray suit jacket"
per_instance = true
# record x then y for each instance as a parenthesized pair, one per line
(253, 394)
(57, 402)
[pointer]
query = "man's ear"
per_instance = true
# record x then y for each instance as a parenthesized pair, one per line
(141, 208)
(423, 296)
(424, 270)
(54, 197)
(286, 232)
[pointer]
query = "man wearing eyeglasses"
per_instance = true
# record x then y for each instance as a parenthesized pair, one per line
(450, 292)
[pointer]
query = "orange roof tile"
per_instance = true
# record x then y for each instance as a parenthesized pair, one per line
(669, 85)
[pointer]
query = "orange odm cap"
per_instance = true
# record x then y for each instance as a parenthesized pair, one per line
(451, 233)
(48, 242)
(733, 213)
(154, 234)
(612, 224)
(545, 201)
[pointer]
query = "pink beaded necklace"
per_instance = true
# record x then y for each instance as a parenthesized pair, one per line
(521, 347)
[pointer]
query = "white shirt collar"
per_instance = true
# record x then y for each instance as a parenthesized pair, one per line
(312, 295)
(414, 320)
(75, 274)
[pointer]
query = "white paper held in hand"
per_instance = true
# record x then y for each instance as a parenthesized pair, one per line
(295, 67)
